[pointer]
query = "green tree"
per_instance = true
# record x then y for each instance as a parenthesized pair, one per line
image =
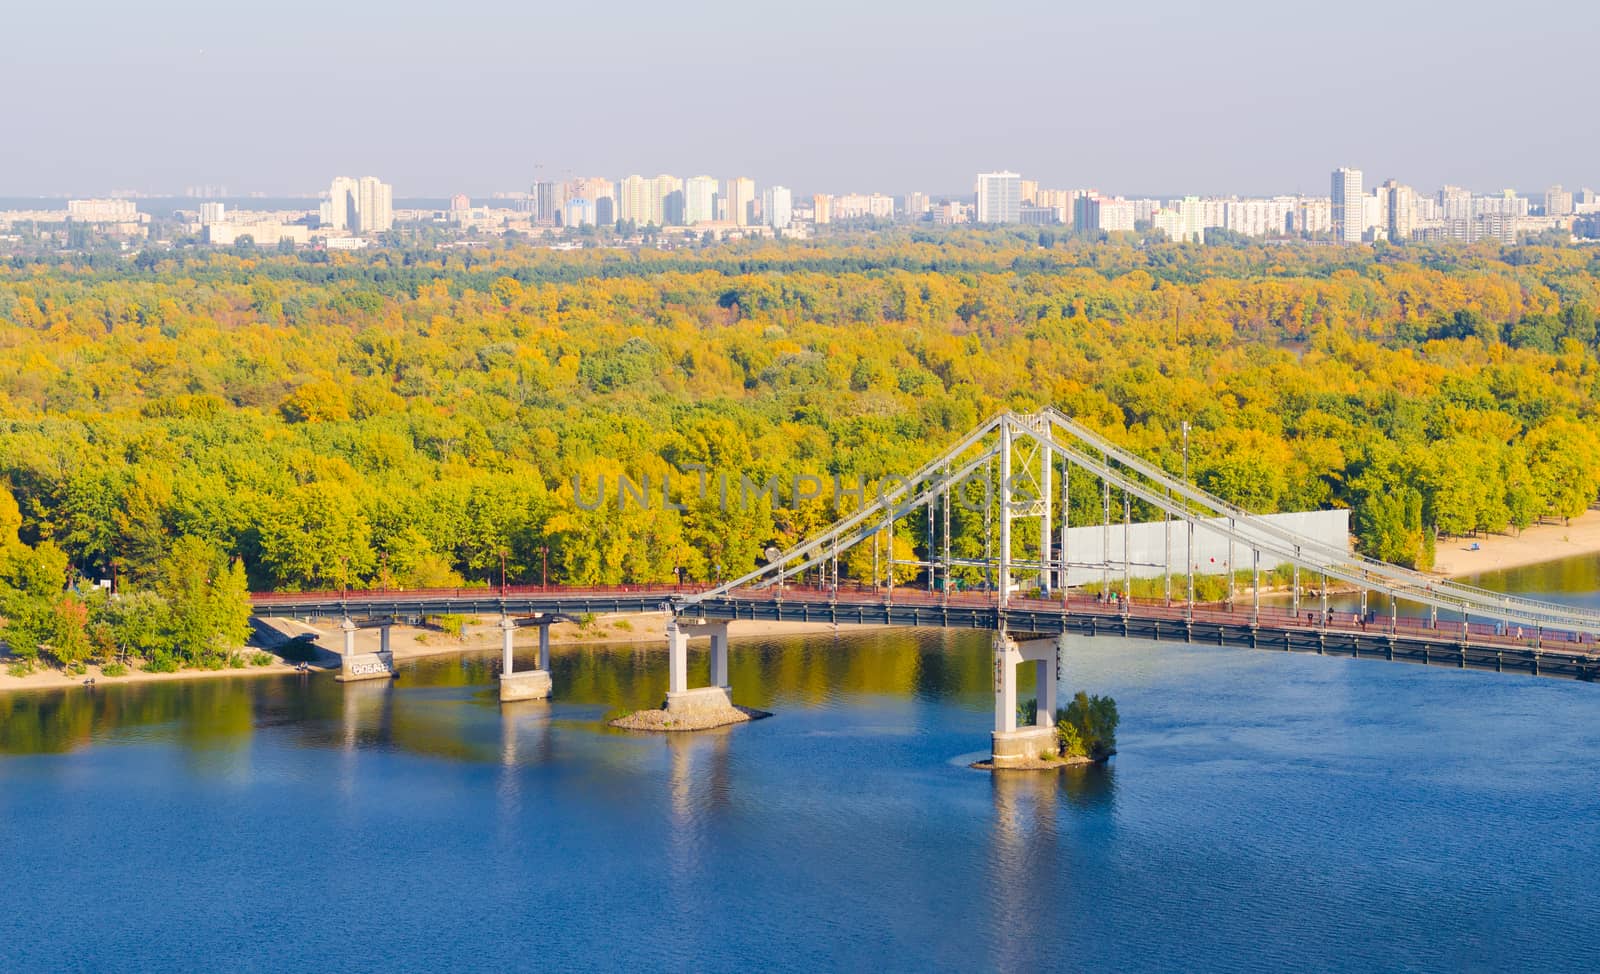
(1087, 727)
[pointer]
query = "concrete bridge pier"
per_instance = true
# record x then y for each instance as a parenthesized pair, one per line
(365, 666)
(681, 698)
(529, 684)
(1012, 745)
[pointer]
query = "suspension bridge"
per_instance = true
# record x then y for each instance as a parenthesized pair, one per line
(1006, 536)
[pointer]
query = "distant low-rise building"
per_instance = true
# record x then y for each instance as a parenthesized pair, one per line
(102, 211)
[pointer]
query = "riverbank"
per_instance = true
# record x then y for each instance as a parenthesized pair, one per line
(410, 642)
(51, 679)
(1537, 543)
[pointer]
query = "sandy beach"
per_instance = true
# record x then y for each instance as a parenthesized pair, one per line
(1539, 543)
(411, 642)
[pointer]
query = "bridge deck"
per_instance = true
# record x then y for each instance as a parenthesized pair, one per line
(1484, 646)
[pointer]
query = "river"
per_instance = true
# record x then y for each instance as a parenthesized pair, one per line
(1266, 812)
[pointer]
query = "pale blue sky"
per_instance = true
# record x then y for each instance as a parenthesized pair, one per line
(1227, 96)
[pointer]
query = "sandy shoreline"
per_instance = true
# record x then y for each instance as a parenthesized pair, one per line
(411, 642)
(1538, 543)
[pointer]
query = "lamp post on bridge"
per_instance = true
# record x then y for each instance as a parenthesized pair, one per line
(502, 572)
(544, 566)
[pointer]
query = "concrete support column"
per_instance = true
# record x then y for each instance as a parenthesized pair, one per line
(1013, 745)
(719, 655)
(544, 646)
(1046, 670)
(1006, 659)
(364, 666)
(507, 629)
(677, 658)
(532, 684)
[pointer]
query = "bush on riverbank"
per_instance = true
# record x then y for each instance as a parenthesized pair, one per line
(1088, 727)
(1085, 728)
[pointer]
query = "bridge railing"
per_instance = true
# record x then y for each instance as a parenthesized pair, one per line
(1267, 617)
(355, 596)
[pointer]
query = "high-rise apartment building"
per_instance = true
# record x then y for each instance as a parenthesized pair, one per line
(999, 197)
(822, 208)
(1260, 217)
(1557, 201)
(1097, 213)
(364, 205)
(1455, 203)
(740, 195)
(549, 203)
(376, 205)
(666, 200)
(212, 212)
(699, 200)
(1400, 210)
(1349, 214)
(339, 212)
(777, 207)
(916, 206)
(635, 195)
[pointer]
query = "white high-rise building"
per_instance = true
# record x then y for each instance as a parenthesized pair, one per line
(1455, 203)
(699, 200)
(634, 196)
(999, 197)
(212, 212)
(339, 212)
(364, 205)
(1557, 201)
(777, 207)
(1349, 214)
(666, 200)
(376, 207)
(1400, 210)
(741, 193)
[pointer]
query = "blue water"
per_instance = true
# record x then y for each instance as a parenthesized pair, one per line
(1266, 812)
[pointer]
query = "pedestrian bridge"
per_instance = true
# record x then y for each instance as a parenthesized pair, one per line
(992, 523)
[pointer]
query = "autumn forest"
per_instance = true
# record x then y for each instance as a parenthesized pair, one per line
(412, 418)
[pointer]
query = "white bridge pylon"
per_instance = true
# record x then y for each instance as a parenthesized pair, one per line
(1023, 465)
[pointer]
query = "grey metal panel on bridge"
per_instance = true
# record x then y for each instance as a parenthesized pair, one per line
(1148, 553)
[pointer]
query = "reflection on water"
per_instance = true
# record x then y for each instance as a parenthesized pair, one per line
(1575, 580)
(845, 832)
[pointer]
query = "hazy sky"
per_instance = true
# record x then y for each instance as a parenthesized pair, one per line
(470, 96)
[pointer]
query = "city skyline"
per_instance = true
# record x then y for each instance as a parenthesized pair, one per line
(1162, 98)
(1584, 175)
